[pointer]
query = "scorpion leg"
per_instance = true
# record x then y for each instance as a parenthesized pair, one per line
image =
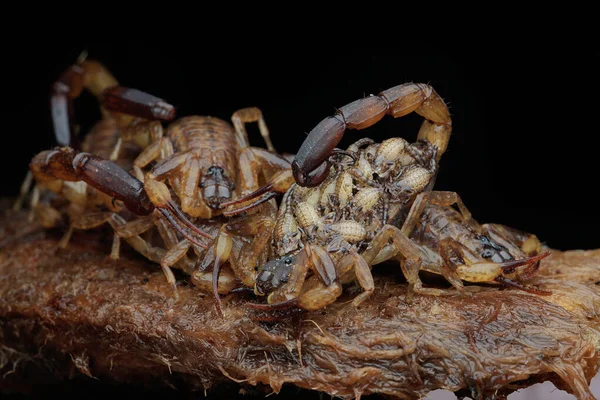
(161, 149)
(440, 198)
(176, 256)
(410, 257)
(176, 250)
(311, 165)
(450, 250)
(259, 228)
(489, 271)
(353, 262)
(85, 222)
(93, 220)
(25, 186)
(133, 228)
(248, 115)
(171, 257)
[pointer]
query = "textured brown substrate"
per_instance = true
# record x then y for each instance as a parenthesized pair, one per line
(69, 313)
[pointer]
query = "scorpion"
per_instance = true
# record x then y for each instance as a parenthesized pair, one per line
(205, 161)
(137, 114)
(341, 220)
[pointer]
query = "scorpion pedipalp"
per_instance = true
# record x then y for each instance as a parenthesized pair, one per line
(97, 79)
(310, 167)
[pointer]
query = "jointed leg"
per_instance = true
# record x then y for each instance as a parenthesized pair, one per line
(91, 221)
(440, 198)
(410, 261)
(166, 259)
(259, 228)
(160, 149)
(25, 186)
(361, 271)
(451, 250)
(248, 115)
(142, 132)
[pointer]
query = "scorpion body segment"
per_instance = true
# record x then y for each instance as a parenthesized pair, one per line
(212, 149)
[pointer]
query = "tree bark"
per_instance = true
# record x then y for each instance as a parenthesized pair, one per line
(67, 314)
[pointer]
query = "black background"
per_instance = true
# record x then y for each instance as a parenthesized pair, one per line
(524, 145)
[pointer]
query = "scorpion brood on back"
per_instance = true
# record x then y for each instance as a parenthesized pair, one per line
(374, 205)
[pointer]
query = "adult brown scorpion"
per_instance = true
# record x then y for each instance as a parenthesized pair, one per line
(205, 160)
(381, 193)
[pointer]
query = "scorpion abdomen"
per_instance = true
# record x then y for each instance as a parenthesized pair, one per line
(211, 139)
